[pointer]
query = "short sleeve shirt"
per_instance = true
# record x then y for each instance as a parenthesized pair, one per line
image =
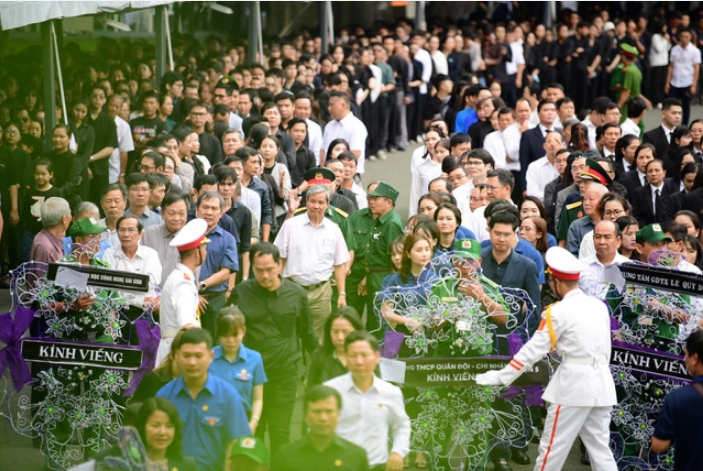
(245, 372)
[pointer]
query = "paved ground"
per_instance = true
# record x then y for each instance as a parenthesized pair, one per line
(17, 452)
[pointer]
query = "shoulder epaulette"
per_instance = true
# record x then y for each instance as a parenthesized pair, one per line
(101, 263)
(300, 210)
(344, 214)
(574, 205)
(187, 277)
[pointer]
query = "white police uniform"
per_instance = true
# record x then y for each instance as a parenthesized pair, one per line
(582, 392)
(179, 297)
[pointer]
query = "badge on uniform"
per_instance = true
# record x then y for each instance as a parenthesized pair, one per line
(338, 463)
(248, 443)
(212, 421)
(376, 236)
(243, 375)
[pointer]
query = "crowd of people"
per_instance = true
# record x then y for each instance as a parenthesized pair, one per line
(239, 190)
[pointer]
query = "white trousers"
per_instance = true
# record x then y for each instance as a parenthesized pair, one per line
(563, 425)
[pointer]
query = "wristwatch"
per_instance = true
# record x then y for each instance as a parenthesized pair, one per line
(202, 286)
(342, 293)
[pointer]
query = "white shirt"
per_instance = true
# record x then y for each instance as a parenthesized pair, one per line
(251, 200)
(367, 418)
(416, 158)
(539, 174)
(591, 281)
(659, 52)
(463, 200)
(518, 58)
(145, 262)
(426, 171)
(125, 143)
(311, 253)
(667, 132)
(587, 247)
(360, 196)
(314, 139)
(629, 127)
(235, 122)
(591, 132)
(179, 307)
(440, 62)
(423, 57)
(684, 61)
(477, 224)
(511, 141)
(642, 177)
(378, 75)
(352, 130)
(493, 144)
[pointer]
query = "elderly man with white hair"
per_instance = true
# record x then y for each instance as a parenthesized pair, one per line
(48, 244)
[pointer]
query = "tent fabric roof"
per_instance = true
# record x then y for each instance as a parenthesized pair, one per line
(18, 14)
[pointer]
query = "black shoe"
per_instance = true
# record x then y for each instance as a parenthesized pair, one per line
(585, 459)
(519, 456)
(501, 464)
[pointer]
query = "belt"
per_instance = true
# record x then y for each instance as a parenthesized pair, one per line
(312, 287)
(169, 333)
(213, 295)
(376, 269)
(593, 361)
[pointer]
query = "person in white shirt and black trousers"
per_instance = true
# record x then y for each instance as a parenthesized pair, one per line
(650, 202)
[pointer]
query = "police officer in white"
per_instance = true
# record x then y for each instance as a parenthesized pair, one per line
(582, 392)
(179, 297)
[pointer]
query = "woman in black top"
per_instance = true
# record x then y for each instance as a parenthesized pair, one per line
(66, 165)
(85, 140)
(331, 360)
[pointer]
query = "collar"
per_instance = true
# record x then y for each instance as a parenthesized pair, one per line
(667, 131)
(544, 128)
(186, 270)
(639, 174)
(242, 355)
(138, 254)
(386, 216)
(571, 293)
(507, 259)
(52, 237)
(352, 387)
(264, 291)
(336, 442)
(217, 230)
(209, 386)
(346, 118)
(307, 219)
(697, 379)
(660, 187)
(165, 233)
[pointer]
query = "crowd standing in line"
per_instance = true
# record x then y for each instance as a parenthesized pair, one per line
(528, 138)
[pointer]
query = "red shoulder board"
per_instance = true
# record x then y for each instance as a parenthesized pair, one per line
(187, 277)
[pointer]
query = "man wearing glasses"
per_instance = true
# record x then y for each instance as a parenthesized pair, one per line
(138, 195)
(209, 145)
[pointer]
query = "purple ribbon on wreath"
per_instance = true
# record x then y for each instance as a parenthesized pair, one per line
(533, 392)
(392, 343)
(11, 331)
(149, 339)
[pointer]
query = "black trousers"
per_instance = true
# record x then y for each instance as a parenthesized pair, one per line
(97, 183)
(657, 80)
(683, 94)
(279, 402)
(208, 319)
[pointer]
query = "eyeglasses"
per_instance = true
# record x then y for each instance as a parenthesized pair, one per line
(13, 133)
(474, 163)
(614, 212)
(146, 167)
(127, 230)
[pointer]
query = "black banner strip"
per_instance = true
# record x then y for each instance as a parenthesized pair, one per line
(86, 354)
(663, 278)
(106, 278)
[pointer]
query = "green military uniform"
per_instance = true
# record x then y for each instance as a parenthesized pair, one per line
(630, 79)
(372, 258)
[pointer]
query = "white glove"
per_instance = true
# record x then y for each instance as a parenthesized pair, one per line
(489, 378)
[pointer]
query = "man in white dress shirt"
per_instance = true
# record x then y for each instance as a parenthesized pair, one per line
(125, 143)
(312, 249)
(607, 240)
(542, 171)
(344, 125)
(581, 393)
(682, 74)
(372, 409)
(494, 142)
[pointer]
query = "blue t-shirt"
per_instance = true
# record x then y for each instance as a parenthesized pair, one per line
(210, 421)
(245, 372)
(680, 420)
(464, 120)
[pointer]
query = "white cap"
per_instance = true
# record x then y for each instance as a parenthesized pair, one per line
(608, 26)
(191, 236)
(563, 265)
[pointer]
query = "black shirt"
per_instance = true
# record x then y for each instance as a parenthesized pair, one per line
(304, 161)
(276, 322)
(241, 215)
(288, 148)
(210, 147)
(67, 171)
(147, 128)
(105, 136)
(34, 199)
(323, 367)
(339, 455)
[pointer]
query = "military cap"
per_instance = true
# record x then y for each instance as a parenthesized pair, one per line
(386, 191)
(467, 248)
(652, 233)
(85, 226)
(191, 236)
(319, 176)
(563, 264)
(595, 172)
(628, 50)
(251, 447)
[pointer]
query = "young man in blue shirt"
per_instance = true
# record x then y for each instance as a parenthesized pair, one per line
(211, 410)
(682, 414)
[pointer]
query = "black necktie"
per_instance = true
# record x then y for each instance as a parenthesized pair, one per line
(657, 206)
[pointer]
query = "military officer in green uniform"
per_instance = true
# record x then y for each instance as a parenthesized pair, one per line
(373, 230)
(573, 206)
(626, 82)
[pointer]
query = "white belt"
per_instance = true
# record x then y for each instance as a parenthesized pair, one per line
(169, 333)
(585, 360)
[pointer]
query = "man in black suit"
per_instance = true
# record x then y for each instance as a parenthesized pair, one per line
(650, 202)
(637, 176)
(532, 140)
(672, 110)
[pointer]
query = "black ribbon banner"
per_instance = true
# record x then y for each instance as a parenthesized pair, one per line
(424, 372)
(645, 360)
(662, 278)
(87, 354)
(106, 278)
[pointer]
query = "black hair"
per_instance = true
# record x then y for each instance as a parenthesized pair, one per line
(140, 226)
(504, 177)
(195, 336)
(172, 198)
(451, 207)
(230, 319)
(201, 180)
(134, 179)
(262, 249)
(361, 336)
(504, 217)
(669, 102)
(349, 314)
(459, 138)
(635, 107)
(175, 449)
(318, 393)
(678, 231)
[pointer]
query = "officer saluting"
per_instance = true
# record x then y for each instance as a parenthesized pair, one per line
(582, 392)
(179, 298)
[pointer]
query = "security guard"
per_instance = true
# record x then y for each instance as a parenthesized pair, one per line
(573, 210)
(374, 228)
(582, 391)
(179, 298)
